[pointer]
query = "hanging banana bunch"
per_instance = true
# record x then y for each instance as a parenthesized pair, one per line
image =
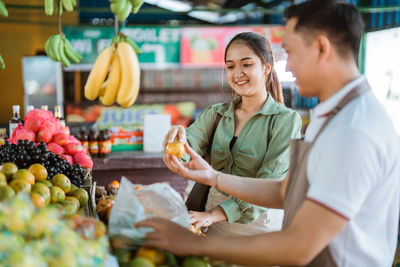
(57, 6)
(3, 10)
(119, 61)
(58, 48)
(2, 64)
(122, 8)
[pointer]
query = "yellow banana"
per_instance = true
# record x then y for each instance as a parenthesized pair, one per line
(103, 88)
(130, 74)
(98, 73)
(113, 82)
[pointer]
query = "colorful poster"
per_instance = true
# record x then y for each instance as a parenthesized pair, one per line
(205, 46)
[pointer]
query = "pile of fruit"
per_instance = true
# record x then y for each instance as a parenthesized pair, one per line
(41, 126)
(25, 154)
(105, 200)
(42, 237)
(56, 7)
(58, 191)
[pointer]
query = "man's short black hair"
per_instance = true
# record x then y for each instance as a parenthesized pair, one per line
(340, 21)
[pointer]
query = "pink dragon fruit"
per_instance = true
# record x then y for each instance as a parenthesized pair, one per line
(35, 118)
(55, 148)
(73, 148)
(68, 158)
(22, 133)
(83, 159)
(60, 137)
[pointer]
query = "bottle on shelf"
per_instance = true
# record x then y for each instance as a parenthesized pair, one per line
(83, 137)
(104, 143)
(15, 120)
(44, 107)
(59, 115)
(93, 143)
(29, 108)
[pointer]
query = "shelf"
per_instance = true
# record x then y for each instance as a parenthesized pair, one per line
(129, 160)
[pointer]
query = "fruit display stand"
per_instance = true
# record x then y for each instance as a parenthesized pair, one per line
(138, 166)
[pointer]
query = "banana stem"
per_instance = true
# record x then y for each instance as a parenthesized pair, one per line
(59, 24)
(115, 25)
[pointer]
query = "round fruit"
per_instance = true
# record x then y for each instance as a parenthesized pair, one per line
(46, 183)
(3, 178)
(192, 261)
(99, 229)
(69, 207)
(24, 174)
(20, 185)
(103, 205)
(42, 190)
(82, 195)
(154, 255)
(176, 149)
(115, 183)
(73, 188)
(56, 194)
(123, 255)
(38, 200)
(9, 169)
(141, 262)
(6, 192)
(73, 201)
(39, 171)
(61, 181)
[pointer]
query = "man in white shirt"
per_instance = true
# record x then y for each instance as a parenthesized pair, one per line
(341, 198)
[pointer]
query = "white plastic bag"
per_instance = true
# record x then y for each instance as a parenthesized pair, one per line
(132, 206)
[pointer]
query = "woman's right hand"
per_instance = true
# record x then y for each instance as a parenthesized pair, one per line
(176, 132)
(197, 169)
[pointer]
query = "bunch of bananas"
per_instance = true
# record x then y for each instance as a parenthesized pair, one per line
(122, 8)
(52, 6)
(58, 48)
(123, 81)
(3, 10)
(2, 64)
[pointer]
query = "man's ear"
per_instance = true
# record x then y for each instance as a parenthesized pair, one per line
(324, 46)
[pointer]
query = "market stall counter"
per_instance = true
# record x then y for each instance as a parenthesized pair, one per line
(138, 166)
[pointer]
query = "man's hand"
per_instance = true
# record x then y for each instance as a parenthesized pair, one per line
(197, 169)
(170, 236)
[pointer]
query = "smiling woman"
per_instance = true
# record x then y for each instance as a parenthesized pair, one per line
(251, 139)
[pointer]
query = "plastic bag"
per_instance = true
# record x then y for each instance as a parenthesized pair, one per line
(132, 206)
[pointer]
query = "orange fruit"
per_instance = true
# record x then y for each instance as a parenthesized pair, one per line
(20, 185)
(46, 183)
(38, 171)
(6, 192)
(38, 200)
(141, 262)
(9, 169)
(192, 261)
(42, 190)
(25, 175)
(99, 229)
(115, 183)
(56, 194)
(176, 149)
(74, 201)
(3, 178)
(154, 255)
(82, 195)
(61, 181)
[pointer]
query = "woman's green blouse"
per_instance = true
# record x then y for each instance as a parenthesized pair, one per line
(261, 149)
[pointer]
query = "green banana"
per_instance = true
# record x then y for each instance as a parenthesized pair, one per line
(2, 64)
(54, 46)
(71, 54)
(132, 43)
(68, 5)
(73, 2)
(117, 6)
(49, 7)
(3, 9)
(48, 50)
(136, 4)
(125, 12)
(64, 60)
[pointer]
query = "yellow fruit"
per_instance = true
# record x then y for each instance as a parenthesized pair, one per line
(176, 149)
(99, 229)
(38, 171)
(9, 169)
(20, 185)
(113, 82)
(3, 178)
(154, 255)
(69, 207)
(42, 190)
(46, 183)
(74, 201)
(82, 195)
(103, 205)
(141, 262)
(56, 194)
(38, 200)
(61, 181)
(25, 175)
(98, 73)
(6, 192)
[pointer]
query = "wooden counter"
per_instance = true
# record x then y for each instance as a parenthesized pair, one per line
(138, 166)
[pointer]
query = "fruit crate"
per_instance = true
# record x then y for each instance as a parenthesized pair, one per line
(90, 186)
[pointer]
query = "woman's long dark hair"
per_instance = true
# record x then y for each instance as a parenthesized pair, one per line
(262, 49)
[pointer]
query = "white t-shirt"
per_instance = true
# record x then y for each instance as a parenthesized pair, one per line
(353, 169)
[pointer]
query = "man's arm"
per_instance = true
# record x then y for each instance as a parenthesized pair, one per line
(313, 227)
